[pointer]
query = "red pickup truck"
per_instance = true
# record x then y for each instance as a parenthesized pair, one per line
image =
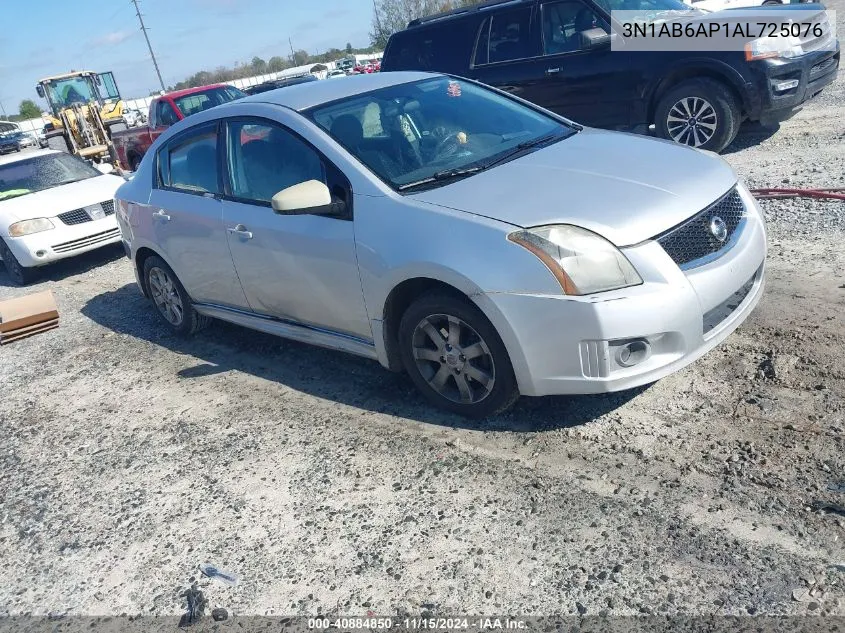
(132, 144)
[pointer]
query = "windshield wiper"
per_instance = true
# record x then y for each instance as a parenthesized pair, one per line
(439, 176)
(525, 145)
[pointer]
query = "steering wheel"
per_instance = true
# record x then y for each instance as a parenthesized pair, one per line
(448, 146)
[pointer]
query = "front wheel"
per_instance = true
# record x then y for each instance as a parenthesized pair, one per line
(20, 275)
(455, 357)
(701, 113)
(170, 298)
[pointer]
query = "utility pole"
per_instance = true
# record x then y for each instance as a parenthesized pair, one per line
(4, 111)
(292, 54)
(149, 46)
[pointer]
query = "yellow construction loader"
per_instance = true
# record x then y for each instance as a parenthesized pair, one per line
(85, 109)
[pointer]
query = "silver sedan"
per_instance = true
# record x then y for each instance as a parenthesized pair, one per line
(483, 245)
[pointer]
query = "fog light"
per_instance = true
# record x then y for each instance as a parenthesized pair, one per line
(40, 253)
(786, 85)
(633, 353)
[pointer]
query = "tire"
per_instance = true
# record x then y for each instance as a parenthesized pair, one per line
(430, 358)
(59, 143)
(20, 275)
(117, 127)
(170, 299)
(134, 161)
(708, 102)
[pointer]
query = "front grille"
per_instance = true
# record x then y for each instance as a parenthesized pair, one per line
(80, 216)
(694, 239)
(89, 240)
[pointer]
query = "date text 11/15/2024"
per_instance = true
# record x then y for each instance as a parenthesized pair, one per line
(418, 623)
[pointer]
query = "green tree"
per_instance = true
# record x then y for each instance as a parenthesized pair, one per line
(390, 16)
(258, 65)
(28, 109)
(348, 47)
(276, 64)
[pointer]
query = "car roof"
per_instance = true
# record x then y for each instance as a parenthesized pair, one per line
(191, 91)
(14, 158)
(313, 93)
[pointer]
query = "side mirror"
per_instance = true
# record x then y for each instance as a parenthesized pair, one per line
(594, 38)
(40, 90)
(311, 197)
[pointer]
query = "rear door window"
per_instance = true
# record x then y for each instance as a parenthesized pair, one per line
(189, 162)
(509, 36)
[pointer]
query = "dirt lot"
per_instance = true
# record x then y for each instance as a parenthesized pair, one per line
(128, 457)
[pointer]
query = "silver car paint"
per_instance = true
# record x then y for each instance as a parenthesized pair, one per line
(398, 238)
(655, 185)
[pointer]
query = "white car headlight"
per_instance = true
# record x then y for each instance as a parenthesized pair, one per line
(583, 262)
(765, 47)
(27, 227)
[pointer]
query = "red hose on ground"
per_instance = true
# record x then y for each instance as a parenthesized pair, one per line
(835, 193)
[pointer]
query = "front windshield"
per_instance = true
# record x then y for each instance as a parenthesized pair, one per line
(430, 129)
(200, 101)
(66, 92)
(42, 172)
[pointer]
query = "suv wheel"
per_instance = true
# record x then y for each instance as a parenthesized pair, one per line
(170, 299)
(20, 275)
(455, 357)
(700, 113)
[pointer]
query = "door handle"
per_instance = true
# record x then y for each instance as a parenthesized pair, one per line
(553, 71)
(161, 215)
(240, 230)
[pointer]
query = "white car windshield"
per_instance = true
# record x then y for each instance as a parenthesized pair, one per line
(42, 172)
(426, 133)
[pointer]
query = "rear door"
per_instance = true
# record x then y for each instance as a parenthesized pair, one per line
(187, 217)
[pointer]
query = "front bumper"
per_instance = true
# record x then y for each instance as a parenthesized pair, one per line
(63, 241)
(812, 71)
(572, 345)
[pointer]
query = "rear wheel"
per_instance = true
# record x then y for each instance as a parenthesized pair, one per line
(701, 113)
(455, 357)
(170, 298)
(20, 275)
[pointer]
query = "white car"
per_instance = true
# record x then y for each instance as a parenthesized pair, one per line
(52, 206)
(335, 74)
(27, 140)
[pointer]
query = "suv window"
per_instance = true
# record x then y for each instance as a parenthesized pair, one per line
(441, 48)
(165, 113)
(507, 38)
(265, 158)
(189, 162)
(563, 24)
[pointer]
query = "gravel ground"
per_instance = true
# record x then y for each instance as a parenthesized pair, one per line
(128, 457)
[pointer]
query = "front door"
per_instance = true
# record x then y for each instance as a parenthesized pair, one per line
(187, 218)
(301, 268)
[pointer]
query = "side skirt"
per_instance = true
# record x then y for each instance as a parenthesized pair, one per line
(291, 330)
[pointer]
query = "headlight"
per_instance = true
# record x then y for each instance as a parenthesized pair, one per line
(582, 261)
(765, 47)
(27, 227)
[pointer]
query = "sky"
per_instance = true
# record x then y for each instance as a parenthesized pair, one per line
(186, 35)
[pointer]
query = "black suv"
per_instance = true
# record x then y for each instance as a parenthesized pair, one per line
(557, 54)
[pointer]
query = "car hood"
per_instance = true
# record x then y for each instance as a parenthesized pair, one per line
(624, 187)
(51, 202)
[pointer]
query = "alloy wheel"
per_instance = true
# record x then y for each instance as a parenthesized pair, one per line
(453, 359)
(692, 121)
(166, 296)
